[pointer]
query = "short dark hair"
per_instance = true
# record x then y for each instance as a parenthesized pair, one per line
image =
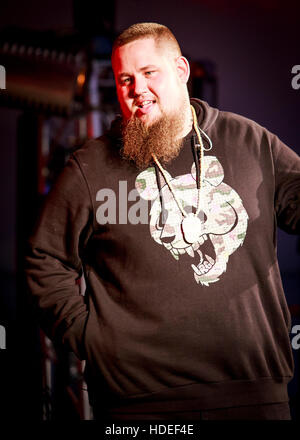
(160, 33)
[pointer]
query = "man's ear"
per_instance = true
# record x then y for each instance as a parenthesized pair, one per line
(183, 69)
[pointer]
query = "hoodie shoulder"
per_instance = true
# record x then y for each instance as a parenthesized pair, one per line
(106, 145)
(206, 114)
(227, 122)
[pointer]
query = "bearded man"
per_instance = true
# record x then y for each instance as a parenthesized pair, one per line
(184, 314)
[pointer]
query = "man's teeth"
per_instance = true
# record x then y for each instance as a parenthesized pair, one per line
(145, 103)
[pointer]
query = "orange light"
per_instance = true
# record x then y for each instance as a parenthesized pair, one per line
(81, 79)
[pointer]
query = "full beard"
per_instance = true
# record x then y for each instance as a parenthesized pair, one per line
(162, 138)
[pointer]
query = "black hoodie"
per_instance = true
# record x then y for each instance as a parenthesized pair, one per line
(203, 324)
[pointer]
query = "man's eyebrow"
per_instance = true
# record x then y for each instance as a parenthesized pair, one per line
(150, 67)
(142, 69)
(123, 74)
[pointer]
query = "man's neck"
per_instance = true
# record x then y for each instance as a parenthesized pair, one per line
(188, 122)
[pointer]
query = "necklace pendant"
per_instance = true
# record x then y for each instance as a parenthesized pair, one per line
(191, 228)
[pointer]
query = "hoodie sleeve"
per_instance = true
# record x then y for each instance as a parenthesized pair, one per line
(287, 181)
(53, 262)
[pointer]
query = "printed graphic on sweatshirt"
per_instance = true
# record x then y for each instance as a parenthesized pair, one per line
(223, 217)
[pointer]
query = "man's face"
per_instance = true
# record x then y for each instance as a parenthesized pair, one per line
(148, 80)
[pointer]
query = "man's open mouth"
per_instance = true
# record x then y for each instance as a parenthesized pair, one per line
(145, 103)
(144, 106)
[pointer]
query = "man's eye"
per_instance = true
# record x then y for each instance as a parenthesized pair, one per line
(126, 81)
(150, 73)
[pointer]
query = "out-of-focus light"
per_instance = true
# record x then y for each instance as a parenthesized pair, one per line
(81, 79)
(199, 72)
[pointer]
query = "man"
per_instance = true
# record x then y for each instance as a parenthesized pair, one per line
(171, 216)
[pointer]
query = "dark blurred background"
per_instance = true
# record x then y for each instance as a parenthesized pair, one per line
(60, 91)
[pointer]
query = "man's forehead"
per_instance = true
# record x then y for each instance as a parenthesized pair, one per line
(144, 50)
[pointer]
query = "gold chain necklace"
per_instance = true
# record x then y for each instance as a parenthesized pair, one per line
(191, 223)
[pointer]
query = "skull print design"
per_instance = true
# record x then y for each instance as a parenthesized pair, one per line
(223, 217)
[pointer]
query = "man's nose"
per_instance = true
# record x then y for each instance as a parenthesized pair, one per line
(139, 85)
